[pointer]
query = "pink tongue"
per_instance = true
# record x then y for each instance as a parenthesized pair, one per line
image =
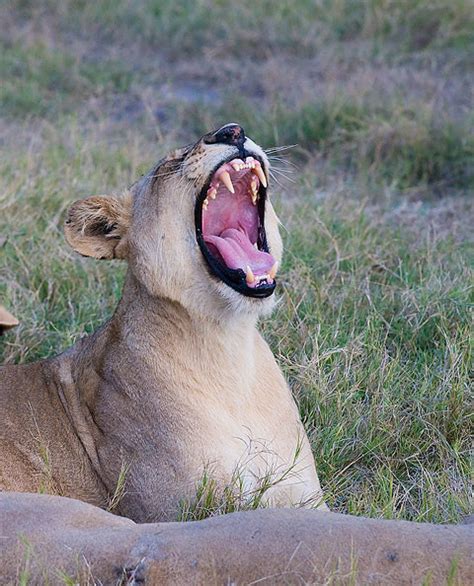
(238, 252)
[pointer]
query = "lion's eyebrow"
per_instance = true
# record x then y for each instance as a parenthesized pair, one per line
(165, 170)
(167, 173)
(164, 174)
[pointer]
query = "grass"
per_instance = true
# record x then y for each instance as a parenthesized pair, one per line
(374, 325)
(300, 27)
(380, 141)
(39, 81)
(211, 499)
(379, 356)
(120, 489)
(33, 565)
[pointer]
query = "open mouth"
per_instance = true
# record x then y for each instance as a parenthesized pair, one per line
(230, 229)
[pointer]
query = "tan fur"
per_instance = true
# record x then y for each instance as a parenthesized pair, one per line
(178, 381)
(7, 320)
(47, 538)
(86, 221)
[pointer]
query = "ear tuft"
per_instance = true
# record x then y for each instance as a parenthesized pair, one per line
(98, 226)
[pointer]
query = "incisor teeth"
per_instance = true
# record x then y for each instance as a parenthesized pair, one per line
(236, 164)
(249, 276)
(212, 193)
(205, 203)
(273, 271)
(226, 180)
(261, 175)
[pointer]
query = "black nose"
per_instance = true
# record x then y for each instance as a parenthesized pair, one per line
(232, 134)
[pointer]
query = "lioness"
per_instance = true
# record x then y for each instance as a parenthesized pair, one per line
(179, 381)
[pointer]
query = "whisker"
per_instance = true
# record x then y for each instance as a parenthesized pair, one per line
(290, 179)
(278, 149)
(283, 169)
(275, 178)
(285, 177)
(283, 160)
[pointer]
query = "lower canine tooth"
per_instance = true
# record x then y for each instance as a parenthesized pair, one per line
(273, 271)
(254, 191)
(226, 180)
(249, 276)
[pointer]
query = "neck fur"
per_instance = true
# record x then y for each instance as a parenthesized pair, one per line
(165, 336)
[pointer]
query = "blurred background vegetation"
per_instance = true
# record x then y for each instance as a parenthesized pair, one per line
(375, 99)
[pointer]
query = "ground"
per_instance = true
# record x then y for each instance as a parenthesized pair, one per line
(373, 326)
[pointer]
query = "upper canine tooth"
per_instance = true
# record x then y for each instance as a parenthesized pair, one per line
(226, 180)
(273, 271)
(260, 174)
(249, 276)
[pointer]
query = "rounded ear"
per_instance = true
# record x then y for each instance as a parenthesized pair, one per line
(98, 226)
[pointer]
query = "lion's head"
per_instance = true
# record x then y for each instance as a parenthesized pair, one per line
(198, 228)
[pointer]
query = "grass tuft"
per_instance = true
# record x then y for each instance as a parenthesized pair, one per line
(244, 491)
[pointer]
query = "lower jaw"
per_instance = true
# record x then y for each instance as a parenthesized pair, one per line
(236, 281)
